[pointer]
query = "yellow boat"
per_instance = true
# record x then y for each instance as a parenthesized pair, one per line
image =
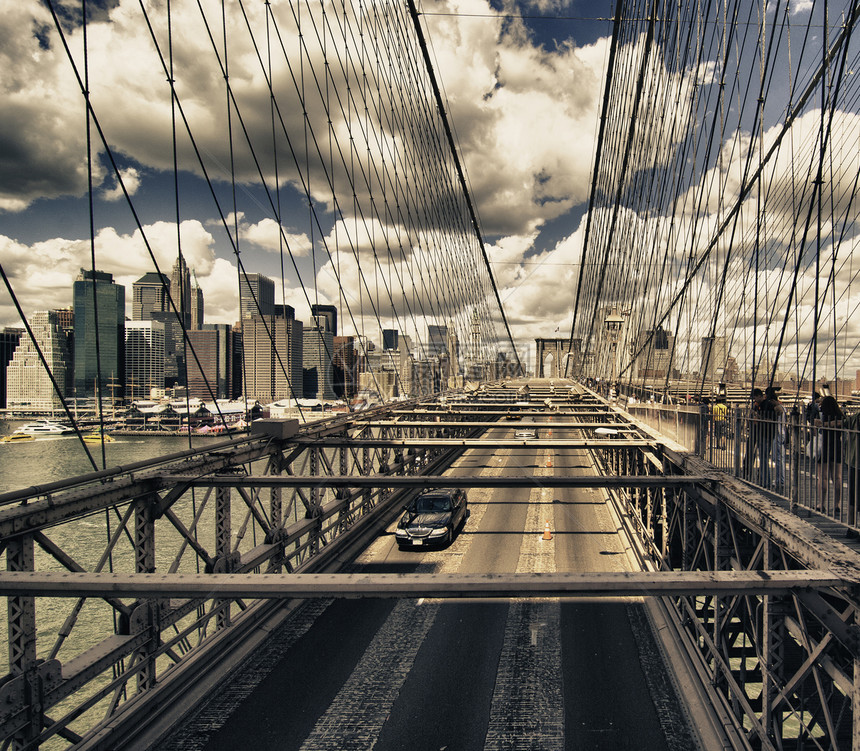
(17, 438)
(97, 438)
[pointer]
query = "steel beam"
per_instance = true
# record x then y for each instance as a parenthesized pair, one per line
(284, 586)
(445, 481)
(482, 443)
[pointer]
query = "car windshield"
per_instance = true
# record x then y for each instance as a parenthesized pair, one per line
(427, 503)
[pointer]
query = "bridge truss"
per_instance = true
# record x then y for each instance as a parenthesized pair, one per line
(202, 555)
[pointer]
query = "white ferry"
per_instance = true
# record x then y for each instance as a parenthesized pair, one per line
(44, 427)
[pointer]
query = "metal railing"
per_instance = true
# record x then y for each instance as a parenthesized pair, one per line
(814, 467)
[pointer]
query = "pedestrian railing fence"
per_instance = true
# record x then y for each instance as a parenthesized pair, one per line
(816, 467)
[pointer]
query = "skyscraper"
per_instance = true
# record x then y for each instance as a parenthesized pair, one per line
(99, 305)
(329, 312)
(272, 349)
(196, 303)
(344, 367)
(149, 295)
(213, 346)
(9, 340)
(144, 358)
(389, 338)
(437, 340)
(180, 290)
(317, 359)
(28, 384)
(256, 296)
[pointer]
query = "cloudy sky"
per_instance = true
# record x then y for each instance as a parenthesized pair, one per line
(523, 96)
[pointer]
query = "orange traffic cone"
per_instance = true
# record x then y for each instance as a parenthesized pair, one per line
(549, 461)
(547, 535)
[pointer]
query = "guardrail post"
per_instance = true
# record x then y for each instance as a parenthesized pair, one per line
(795, 450)
(737, 441)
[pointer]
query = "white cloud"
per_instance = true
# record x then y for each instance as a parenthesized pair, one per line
(130, 179)
(42, 273)
(270, 236)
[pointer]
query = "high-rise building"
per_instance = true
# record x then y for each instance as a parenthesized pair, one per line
(213, 346)
(149, 295)
(437, 340)
(196, 303)
(389, 338)
(317, 359)
(9, 340)
(180, 290)
(330, 314)
(99, 305)
(256, 296)
(174, 348)
(144, 358)
(28, 384)
(344, 367)
(714, 355)
(272, 349)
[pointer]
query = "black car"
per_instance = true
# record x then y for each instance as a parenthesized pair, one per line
(432, 518)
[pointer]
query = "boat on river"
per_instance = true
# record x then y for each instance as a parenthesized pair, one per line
(97, 437)
(44, 427)
(17, 438)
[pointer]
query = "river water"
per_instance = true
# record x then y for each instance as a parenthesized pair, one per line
(56, 458)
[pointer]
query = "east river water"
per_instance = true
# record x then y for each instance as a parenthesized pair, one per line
(56, 458)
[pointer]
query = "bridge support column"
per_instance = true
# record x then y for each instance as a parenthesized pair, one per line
(144, 563)
(774, 611)
(738, 439)
(342, 494)
(722, 562)
(21, 614)
(314, 511)
(691, 532)
(367, 502)
(223, 536)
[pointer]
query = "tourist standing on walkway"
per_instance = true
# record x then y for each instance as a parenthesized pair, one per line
(764, 430)
(778, 444)
(830, 456)
(719, 416)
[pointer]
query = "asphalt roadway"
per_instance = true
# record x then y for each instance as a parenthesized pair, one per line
(430, 675)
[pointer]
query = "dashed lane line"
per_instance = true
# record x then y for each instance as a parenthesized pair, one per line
(527, 709)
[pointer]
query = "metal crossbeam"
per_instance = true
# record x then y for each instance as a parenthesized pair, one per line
(284, 586)
(441, 481)
(512, 424)
(473, 443)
